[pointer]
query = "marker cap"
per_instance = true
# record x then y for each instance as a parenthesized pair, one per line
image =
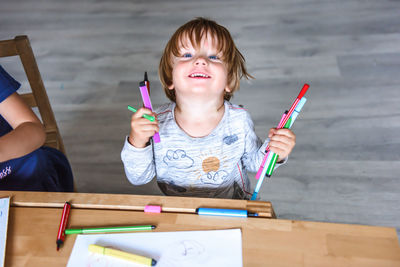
(300, 104)
(303, 91)
(152, 209)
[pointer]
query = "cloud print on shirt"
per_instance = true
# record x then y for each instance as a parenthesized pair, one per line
(230, 139)
(178, 159)
(214, 177)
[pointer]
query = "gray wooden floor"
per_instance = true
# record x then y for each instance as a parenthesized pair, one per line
(345, 167)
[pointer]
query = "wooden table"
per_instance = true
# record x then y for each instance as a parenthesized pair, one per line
(34, 219)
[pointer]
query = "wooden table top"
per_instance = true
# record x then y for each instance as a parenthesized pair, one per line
(33, 229)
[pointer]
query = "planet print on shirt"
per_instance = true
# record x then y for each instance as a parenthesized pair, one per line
(210, 164)
(211, 173)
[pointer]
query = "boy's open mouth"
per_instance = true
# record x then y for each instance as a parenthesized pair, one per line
(199, 75)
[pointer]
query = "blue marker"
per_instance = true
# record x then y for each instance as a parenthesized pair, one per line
(258, 186)
(297, 110)
(225, 212)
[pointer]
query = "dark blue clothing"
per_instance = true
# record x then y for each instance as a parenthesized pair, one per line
(45, 169)
(7, 87)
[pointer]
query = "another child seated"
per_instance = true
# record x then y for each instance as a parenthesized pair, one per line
(207, 144)
(24, 164)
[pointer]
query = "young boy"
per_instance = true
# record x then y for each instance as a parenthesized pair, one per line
(207, 144)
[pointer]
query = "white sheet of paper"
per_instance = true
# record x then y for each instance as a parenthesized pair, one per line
(4, 208)
(170, 249)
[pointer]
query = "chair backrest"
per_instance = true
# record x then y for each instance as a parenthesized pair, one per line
(20, 46)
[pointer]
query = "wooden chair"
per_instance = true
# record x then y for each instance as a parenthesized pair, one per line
(20, 46)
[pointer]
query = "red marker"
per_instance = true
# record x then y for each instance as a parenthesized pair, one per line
(300, 96)
(63, 225)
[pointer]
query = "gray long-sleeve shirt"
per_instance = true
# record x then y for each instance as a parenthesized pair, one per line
(212, 166)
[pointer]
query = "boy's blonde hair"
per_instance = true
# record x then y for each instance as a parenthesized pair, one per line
(195, 30)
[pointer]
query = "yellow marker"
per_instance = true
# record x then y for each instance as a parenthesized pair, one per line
(122, 255)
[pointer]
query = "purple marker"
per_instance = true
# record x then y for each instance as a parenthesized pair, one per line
(147, 104)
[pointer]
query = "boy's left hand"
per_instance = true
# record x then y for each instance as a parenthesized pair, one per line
(281, 142)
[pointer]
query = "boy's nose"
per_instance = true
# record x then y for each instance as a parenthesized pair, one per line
(200, 60)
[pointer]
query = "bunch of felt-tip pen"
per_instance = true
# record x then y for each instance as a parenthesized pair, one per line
(268, 164)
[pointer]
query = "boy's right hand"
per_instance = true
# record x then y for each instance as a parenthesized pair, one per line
(142, 129)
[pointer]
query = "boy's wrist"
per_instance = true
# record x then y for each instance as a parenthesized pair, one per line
(282, 161)
(134, 143)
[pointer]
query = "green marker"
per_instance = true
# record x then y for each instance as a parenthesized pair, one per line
(109, 229)
(146, 116)
(272, 163)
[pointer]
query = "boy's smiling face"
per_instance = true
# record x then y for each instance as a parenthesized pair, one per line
(199, 71)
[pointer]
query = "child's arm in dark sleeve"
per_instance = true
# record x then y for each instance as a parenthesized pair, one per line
(28, 132)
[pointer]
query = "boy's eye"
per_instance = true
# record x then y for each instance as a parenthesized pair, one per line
(187, 55)
(213, 57)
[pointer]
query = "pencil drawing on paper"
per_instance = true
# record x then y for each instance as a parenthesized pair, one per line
(184, 253)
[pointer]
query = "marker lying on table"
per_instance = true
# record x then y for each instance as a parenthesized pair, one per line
(63, 224)
(110, 229)
(146, 116)
(122, 255)
(225, 212)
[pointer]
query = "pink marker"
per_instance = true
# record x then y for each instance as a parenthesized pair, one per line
(266, 155)
(147, 104)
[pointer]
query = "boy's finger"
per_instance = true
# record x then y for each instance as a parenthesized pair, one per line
(279, 141)
(282, 138)
(149, 127)
(282, 142)
(143, 111)
(279, 151)
(144, 118)
(271, 132)
(141, 124)
(283, 131)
